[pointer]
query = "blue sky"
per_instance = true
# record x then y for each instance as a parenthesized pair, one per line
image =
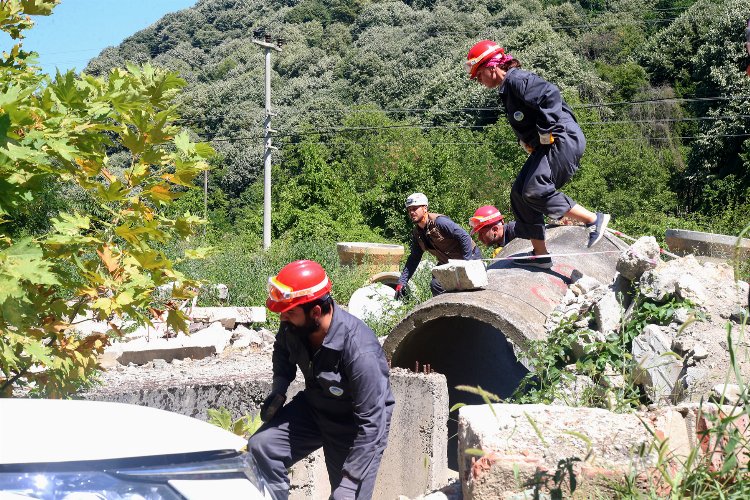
(78, 30)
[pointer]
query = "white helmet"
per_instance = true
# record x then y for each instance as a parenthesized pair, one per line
(418, 199)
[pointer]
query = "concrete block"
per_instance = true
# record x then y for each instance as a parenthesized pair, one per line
(201, 344)
(459, 275)
(669, 424)
(642, 256)
(239, 314)
(414, 462)
(658, 368)
(553, 446)
(608, 313)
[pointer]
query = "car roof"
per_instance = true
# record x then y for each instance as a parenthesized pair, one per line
(46, 430)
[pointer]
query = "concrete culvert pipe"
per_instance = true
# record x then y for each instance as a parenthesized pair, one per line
(473, 337)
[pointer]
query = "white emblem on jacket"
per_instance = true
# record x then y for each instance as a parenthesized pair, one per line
(336, 391)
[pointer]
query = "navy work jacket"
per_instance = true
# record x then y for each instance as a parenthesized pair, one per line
(346, 382)
(533, 106)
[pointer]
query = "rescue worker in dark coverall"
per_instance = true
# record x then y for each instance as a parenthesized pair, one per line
(547, 129)
(347, 403)
(438, 235)
(489, 224)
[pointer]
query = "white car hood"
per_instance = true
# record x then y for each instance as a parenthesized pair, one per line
(45, 430)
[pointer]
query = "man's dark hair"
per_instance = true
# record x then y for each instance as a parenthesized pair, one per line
(325, 302)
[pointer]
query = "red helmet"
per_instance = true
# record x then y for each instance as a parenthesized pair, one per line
(480, 53)
(485, 216)
(297, 283)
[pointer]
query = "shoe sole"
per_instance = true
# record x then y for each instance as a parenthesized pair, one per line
(602, 230)
(539, 265)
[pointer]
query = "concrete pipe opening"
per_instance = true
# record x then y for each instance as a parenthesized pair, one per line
(474, 338)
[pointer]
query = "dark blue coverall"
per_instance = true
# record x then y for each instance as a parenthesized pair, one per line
(450, 230)
(346, 407)
(535, 106)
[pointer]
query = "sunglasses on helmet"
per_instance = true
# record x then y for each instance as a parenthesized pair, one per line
(279, 292)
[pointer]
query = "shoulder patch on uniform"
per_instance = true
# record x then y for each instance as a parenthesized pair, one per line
(518, 116)
(336, 391)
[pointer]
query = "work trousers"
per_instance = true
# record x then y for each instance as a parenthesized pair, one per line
(295, 432)
(535, 191)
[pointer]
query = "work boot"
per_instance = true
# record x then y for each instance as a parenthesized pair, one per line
(542, 261)
(597, 228)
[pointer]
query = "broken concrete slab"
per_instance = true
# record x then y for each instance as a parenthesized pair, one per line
(201, 344)
(642, 256)
(658, 368)
(551, 446)
(244, 337)
(608, 313)
(460, 275)
(414, 462)
(243, 315)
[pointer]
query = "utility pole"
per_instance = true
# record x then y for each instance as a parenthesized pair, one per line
(268, 47)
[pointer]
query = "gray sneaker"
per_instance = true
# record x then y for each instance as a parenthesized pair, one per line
(543, 261)
(597, 228)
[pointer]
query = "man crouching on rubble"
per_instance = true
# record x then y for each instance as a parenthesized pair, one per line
(347, 403)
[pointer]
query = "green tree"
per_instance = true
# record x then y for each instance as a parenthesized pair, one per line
(104, 263)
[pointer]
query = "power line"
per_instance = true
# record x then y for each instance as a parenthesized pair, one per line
(364, 109)
(333, 130)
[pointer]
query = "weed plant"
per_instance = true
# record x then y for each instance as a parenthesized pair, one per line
(551, 359)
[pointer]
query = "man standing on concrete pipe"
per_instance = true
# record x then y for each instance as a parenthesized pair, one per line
(347, 403)
(489, 224)
(436, 234)
(547, 129)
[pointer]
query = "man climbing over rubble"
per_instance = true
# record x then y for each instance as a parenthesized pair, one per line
(547, 129)
(438, 235)
(347, 403)
(489, 224)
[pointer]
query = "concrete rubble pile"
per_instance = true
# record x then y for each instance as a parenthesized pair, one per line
(547, 451)
(682, 362)
(688, 357)
(211, 330)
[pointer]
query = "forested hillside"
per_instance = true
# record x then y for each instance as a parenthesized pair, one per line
(373, 103)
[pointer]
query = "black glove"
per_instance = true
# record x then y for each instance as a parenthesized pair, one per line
(399, 292)
(271, 405)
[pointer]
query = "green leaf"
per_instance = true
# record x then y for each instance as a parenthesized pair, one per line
(38, 352)
(183, 144)
(199, 253)
(177, 320)
(38, 7)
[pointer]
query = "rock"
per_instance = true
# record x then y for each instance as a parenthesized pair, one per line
(681, 315)
(160, 364)
(585, 338)
(608, 313)
(642, 256)
(244, 337)
(244, 315)
(728, 394)
(689, 288)
(698, 352)
(459, 275)
(660, 283)
(266, 335)
(584, 285)
(197, 326)
(658, 368)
